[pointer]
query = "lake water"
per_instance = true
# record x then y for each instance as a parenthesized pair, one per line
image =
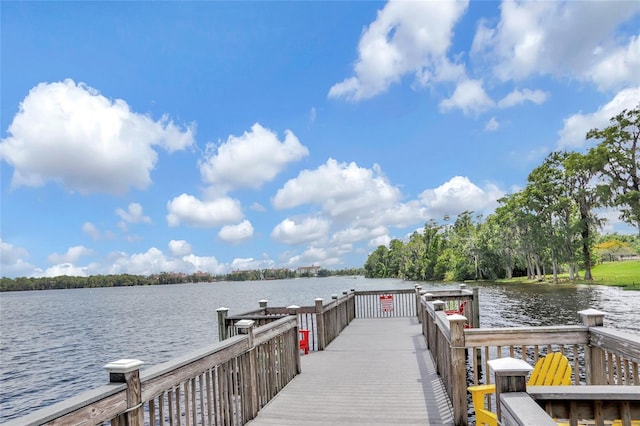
(53, 344)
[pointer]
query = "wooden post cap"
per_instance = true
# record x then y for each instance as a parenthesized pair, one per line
(334, 296)
(293, 309)
(223, 309)
(463, 286)
(263, 303)
(510, 366)
(244, 325)
(438, 305)
(457, 318)
(592, 317)
(123, 366)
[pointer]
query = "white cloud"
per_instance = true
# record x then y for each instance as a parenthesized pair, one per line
(63, 269)
(94, 232)
(313, 114)
(519, 96)
(618, 66)
(154, 261)
(249, 160)
(344, 191)
(560, 38)
(469, 97)
(133, 214)
(573, 133)
(293, 232)
(315, 256)
(191, 211)
(69, 133)
(460, 194)
(12, 261)
(257, 207)
(72, 255)
(382, 240)
(236, 233)
(406, 38)
(250, 263)
(398, 215)
(356, 234)
(492, 125)
(180, 248)
(205, 264)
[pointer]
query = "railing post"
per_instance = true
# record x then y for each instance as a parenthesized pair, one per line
(320, 324)
(594, 357)
(511, 375)
(344, 310)
(128, 371)
(458, 369)
(421, 311)
(428, 324)
(476, 309)
(438, 305)
(418, 289)
(293, 310)
(222, 323)
(263, 305)
(352, 305)
(250, 387)
(335, 322)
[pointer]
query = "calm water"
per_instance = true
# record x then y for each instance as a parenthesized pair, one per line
(53, 344)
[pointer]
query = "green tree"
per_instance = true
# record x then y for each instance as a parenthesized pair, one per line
(581, 169)
(376, 265)
(620, 155)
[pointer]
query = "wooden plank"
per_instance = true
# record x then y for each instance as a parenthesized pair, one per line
(560, 335)
(618, 342)
(376, 370)
(519, 409)
(585, 392)
(97, 405)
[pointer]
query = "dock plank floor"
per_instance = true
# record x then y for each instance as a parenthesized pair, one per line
(376, 372)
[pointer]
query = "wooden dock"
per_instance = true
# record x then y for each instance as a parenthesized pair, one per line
(377, 371)
(368, 364)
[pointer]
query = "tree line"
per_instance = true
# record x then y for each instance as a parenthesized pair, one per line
(127, 280)
(549, 226)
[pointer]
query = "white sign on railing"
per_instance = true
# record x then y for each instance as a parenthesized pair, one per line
(386, 303)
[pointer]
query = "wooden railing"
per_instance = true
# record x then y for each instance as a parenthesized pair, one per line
(385, 303)
(599, 356)
(224, 384)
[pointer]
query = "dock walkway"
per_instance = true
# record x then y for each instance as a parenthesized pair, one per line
(377, 371)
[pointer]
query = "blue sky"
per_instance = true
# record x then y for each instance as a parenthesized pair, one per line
(141, 137)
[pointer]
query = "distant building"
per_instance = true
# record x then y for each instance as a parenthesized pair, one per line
(311, 271)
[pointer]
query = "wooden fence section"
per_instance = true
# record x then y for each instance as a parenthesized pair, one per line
(599, 356)
(224, 384)
(385, 303)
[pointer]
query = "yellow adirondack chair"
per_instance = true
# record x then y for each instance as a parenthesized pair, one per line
(551, 370)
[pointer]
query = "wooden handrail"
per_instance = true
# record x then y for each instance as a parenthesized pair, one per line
(108, 402)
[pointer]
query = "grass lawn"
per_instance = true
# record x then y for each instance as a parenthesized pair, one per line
(626, 274)
(622, 274)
